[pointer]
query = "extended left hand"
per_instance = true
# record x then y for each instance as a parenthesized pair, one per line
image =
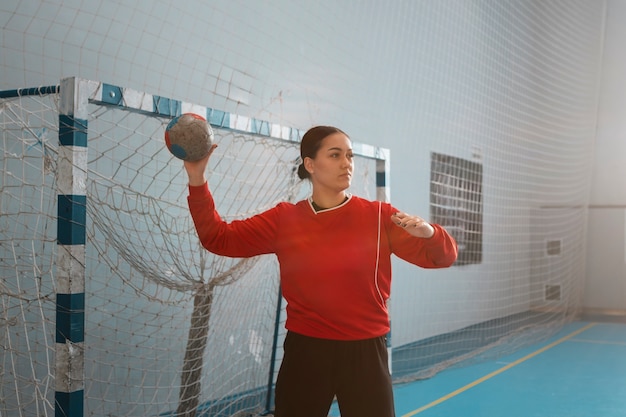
(413, 225)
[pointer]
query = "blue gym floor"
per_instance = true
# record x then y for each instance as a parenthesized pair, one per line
(579, 372)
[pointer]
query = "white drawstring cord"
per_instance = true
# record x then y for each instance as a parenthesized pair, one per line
(382, 299)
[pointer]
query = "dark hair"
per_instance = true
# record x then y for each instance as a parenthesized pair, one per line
(311, 143)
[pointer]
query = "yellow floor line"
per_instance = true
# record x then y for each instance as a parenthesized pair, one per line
(599, 342)
(499, 371)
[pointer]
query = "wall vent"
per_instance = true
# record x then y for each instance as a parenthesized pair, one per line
(456, 203)
(552, 293)
(553, 247)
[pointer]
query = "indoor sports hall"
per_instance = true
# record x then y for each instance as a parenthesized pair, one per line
(502, 121)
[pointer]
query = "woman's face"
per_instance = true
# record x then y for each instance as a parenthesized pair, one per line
(332, 166)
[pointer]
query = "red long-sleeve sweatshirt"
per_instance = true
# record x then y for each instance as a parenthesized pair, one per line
(335, 264)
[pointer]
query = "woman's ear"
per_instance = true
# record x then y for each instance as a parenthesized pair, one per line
(308, 164)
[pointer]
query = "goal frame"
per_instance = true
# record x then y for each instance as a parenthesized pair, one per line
(75, 94)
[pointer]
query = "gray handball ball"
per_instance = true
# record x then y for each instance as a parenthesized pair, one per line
(189, 137)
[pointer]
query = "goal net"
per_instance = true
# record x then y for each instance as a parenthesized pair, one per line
(490, 109)
(170, 329)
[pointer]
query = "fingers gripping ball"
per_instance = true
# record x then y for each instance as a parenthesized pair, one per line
(189, 137)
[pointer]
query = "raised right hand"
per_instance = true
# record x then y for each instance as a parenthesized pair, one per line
(196, 170)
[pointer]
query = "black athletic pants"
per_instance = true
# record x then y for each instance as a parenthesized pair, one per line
(314, 371)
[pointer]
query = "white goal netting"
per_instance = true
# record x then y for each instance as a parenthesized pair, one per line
(488, 108)
(169, 328)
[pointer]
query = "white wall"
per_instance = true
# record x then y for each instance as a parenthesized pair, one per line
(606, 258)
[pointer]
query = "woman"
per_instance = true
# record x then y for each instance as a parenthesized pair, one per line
(334, 251)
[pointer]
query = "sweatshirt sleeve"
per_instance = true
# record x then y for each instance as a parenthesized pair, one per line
(239, 238)
(438, 251)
